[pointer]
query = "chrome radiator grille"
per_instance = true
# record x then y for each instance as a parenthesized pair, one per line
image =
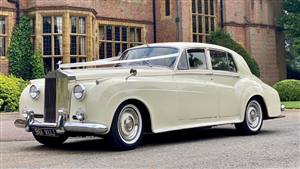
(57, 95)
(50, 98)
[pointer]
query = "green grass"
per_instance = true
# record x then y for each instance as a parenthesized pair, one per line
(292, 105)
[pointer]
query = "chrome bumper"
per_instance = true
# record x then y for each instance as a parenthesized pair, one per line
(61, 126)
(282, 108)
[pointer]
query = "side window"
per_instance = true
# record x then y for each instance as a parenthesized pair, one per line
(196, 58)
(222, 61)
(183, 64)
(231, 64)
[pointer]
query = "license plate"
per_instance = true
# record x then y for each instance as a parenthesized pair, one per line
(45, 132)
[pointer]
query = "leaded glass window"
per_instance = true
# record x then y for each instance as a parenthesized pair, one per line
(52, 41)
(114, 39)
(78, 38)
(203, 19)
(3, 36)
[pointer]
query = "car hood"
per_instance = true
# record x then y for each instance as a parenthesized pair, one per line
(97, 73)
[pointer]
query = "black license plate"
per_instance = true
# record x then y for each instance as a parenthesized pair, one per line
(50, 132)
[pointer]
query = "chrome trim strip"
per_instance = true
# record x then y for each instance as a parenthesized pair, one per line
(20, 123)
(37, 124)
(231, 74)
(193, 72)
(86, 127)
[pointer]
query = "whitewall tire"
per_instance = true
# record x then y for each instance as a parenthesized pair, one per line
(127, 127)
(253, 119)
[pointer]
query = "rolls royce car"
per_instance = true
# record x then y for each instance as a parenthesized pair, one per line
(151, 88)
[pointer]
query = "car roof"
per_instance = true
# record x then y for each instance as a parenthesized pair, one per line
(184, 45)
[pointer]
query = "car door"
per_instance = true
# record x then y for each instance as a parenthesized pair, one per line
(196, 94)
(226, 77)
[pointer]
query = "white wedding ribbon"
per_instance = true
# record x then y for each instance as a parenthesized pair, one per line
(102, 62)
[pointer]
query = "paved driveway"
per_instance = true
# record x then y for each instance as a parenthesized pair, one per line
(277, 146)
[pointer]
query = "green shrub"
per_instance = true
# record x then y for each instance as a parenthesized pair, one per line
(223, 39)
(10, 91)
(289, 90)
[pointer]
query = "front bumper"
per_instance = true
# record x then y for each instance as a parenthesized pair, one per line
(61, 126)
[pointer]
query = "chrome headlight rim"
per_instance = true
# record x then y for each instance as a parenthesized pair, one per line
(34, 92)
(79, 95)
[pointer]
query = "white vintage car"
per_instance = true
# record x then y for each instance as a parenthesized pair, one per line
(151, 88)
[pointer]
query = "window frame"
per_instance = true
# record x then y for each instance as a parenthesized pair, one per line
(52, 35)
(78, 35)
(205, 53)
(167, 8)
(207, 59)
(5, 35)
(201, 36)
(232, 56)
(129, 43)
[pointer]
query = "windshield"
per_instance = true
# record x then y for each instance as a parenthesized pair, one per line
(150, 52)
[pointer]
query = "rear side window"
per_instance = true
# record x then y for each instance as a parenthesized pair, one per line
(196, 58)
(222, 61)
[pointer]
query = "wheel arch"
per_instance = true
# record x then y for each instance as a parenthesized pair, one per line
(262, 103)
(144, 112)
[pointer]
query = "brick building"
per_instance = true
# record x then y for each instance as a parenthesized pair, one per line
(73, 30)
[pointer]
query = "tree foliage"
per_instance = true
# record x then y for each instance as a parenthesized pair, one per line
(290, 22)
(22, 61)
(223, 39)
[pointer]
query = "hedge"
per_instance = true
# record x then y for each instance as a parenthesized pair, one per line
(289, 90)
(10, 91)
(223, 39)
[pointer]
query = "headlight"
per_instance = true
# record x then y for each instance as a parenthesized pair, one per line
(79, 92)
(34, 92)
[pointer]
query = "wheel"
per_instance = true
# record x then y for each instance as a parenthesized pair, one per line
(127, 128)
(51, 141)
(253, 119)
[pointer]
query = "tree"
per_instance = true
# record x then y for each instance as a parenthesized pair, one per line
(38, 66)
(290, 22)
(22, 60)
(223, 39)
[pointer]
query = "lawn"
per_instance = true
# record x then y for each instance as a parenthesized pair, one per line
(292, 105)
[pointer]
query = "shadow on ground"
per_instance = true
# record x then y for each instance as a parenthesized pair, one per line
(149, 140)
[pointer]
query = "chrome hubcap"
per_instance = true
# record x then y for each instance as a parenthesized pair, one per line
(254, 115)
(129, 124)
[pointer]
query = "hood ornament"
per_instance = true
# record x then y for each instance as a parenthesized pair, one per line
(58, 65)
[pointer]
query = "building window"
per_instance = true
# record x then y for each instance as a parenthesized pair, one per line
(167, 7)
(52, 41)
(3, 36)
(78, 39)
(203, 19)
(115, 39)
